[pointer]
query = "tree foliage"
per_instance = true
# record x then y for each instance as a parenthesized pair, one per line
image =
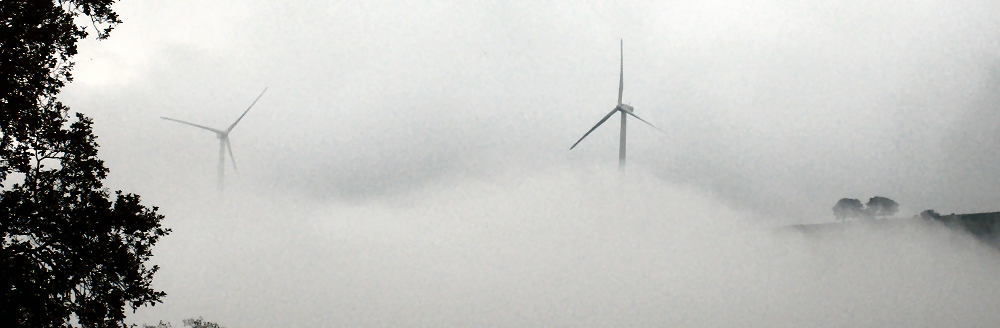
(848, 208)
(930, 214)
(69, 248)
(200, 323)
(881, 206)
(852, 208)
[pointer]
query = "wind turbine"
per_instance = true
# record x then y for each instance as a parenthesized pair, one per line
(223, 139)
(623, 108)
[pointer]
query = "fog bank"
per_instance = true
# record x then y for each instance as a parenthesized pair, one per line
(557, 246)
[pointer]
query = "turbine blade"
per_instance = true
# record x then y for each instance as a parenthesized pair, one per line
(231, 157)
(192, 124)
(595, 127)
(644, 121)
(245, 112)
(621, 73)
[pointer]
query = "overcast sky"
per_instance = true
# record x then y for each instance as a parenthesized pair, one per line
(379, 112)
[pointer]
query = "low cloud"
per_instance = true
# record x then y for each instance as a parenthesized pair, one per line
(556, 246)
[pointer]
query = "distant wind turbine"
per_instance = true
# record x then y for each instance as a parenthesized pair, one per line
(223, 139)
(623, 108)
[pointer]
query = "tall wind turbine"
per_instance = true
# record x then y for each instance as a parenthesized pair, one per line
(624, 109)
(223, 139)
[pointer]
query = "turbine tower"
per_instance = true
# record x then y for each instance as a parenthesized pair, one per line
(223, 139)
(623, 108)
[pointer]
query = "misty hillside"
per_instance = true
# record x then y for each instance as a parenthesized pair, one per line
(985, 227)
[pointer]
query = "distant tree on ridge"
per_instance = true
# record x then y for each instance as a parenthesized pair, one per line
(930, 214)
(848, 208)
(881, 206)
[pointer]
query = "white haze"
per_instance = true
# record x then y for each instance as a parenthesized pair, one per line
(561, 246)
(779, 107)
(408, 165)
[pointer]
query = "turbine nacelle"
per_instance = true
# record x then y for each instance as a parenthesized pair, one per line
(626, 108)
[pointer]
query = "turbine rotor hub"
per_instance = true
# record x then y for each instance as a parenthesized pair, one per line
(625, 107)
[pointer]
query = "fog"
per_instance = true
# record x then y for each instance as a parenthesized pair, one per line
(562, 246)
(409, 163)
(779, 107)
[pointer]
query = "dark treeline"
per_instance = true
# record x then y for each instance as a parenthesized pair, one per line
(983, 226)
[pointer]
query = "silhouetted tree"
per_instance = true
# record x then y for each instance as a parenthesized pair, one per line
(930, 214)
(200, 323)
(848, 208)
(68, 249)
(881, 206)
